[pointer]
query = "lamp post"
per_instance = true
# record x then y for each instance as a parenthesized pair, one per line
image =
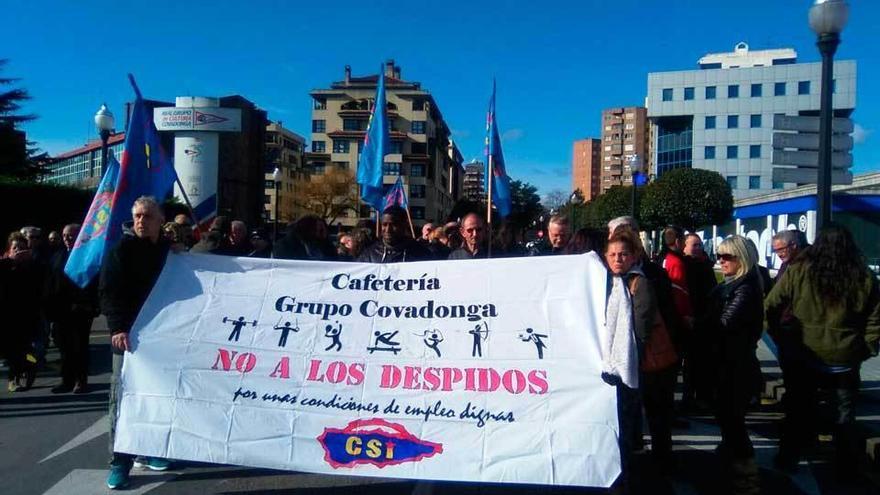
(635, 167)
(276, 177)
(104, 123)
(827, 20)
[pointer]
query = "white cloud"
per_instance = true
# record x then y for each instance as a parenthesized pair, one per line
(860, 134)
(513, 135)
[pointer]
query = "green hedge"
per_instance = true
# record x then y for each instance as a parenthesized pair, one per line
(41, 205)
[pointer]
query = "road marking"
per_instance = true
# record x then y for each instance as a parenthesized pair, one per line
(92, 481)
(99, 428)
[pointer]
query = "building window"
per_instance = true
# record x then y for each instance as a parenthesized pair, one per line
(710, 121)
(354, 125)
(417, 191)
(757, 90)
(391, 168)
(319, 147)
(418, 148)
(688, 93)
(674, 143)
(417, 170)
(267, 199)
(319, 126)
(318, 167)
(710, 92)
(341, 165)
(667, 94)
(341, 145)
(418, 127)
(732, 152)
(733, 91)
(709, 152)
(270, 184)
(394, 148)
(732, 121)
(834, 86)
(779, 89)
(778, 185)
(418, 212)
(754, 182)
(320, 104)
(755, 151)
(731, 181)
(755, 120)
(803, 87)
(418, 105)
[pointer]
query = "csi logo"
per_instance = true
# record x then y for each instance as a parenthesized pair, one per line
(376, 442)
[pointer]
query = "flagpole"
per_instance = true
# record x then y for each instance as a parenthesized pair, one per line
(411, 229)
(489, 203)
(192, 212)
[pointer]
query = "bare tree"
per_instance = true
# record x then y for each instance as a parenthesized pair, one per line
(554, 199)
(329, 195)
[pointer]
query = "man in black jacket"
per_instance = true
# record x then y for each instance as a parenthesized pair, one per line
(71, 309)
(129, 272)
(396, 246)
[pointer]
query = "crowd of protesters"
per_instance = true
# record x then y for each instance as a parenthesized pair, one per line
(822, 311)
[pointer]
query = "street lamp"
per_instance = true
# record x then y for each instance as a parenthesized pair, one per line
(827, 20)
(276, 177)
(635, 167)
(104, 123)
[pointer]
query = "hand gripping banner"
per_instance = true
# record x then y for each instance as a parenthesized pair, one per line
(476, 370)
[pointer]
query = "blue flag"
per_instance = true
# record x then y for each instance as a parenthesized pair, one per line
(145, 171)
(376, 144)
(495, 170)
(396, 196)
(87, 254)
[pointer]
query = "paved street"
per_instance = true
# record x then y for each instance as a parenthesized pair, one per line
(57, 444)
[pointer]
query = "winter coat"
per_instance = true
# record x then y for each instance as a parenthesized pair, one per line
(408, 250)
(463, 254)
(839, 335)
(63, 298)
(129, 272)
(735, 320)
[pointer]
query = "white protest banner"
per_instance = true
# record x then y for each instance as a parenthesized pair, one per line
(483, 370)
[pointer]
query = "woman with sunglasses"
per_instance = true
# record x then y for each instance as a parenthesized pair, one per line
(736, 319)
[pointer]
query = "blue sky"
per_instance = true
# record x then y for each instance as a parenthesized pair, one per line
(557, 65)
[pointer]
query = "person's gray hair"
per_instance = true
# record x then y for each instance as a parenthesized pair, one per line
(560, 220)
(75, 226)
(789, 237)
(615, 223)
(238, 222)
(148, 202)
(30, 230)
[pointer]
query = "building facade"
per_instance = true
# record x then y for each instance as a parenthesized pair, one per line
(285, 151)
(82, 167)
(720, 117)
(624, 134)
(475, 181)
(421, 150)
(586, 167)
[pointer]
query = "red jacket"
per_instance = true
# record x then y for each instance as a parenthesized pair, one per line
(674, 264)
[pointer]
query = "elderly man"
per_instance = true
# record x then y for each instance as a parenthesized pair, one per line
(426, 232)
(474, 233)
(130, 270)
(239, 244)
(785, 245)
(396, 245)
(558, 234)
(71, 310)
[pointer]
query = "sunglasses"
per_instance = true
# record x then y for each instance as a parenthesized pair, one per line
(726, 257)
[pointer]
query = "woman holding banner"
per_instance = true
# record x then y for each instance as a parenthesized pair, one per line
(625, 257)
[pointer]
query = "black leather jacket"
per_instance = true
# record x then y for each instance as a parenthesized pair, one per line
(408, 250)
(737, 314)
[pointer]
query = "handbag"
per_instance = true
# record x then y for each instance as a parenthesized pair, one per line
(659, 352)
